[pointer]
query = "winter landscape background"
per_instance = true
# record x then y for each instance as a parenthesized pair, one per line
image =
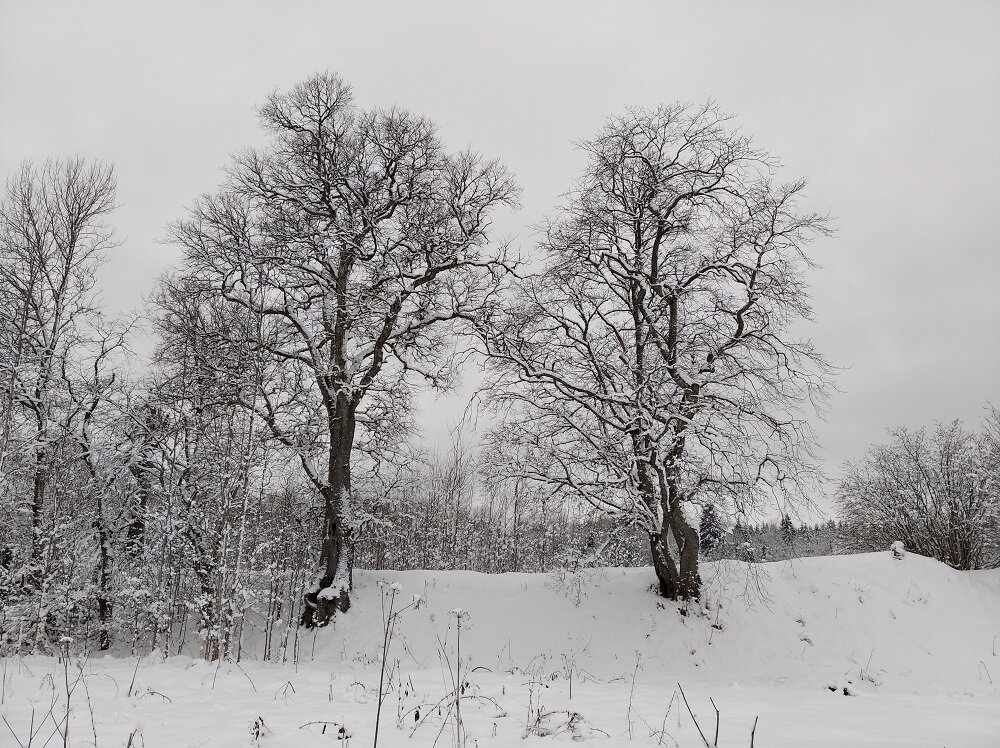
(438, 373)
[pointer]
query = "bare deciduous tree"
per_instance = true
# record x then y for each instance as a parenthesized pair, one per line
(355, 239)
(650, 366)
(52, 240)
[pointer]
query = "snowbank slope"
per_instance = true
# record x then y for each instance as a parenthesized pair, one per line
(913, 625)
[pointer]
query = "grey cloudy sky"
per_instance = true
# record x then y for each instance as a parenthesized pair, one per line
(892, 110)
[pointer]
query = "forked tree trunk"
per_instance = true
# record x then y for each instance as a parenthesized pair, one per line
(676, 581)
(663, 564)
(679, 578)
(686, 537)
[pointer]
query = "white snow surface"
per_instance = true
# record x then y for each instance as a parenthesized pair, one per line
(915, 644)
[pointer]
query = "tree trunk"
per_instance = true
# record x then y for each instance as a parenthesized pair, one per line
(686, 536)
(683, 583)
(336, 561)
(202, 564)
(103, 573)
(664, 565)
(675, 584)
(39, 484)
(135, 533)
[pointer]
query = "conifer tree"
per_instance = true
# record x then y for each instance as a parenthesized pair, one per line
(710, 532)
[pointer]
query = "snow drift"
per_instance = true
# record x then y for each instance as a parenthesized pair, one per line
(911, 625)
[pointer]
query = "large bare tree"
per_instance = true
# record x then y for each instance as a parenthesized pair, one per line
(356, 240)
(650, 368)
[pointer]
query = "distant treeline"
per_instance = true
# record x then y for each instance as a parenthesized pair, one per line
(776, 541)
(438, 522)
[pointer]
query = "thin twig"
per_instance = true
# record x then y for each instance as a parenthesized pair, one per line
(134, 672)
(704, 739)
(716, 741)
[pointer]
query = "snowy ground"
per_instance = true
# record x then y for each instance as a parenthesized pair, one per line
(915, 644)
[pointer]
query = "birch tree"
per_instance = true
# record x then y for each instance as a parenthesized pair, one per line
(649, 367)
(357, 241)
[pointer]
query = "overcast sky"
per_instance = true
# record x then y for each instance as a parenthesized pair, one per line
(891, 110)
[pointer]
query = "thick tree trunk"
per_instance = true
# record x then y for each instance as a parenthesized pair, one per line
(664, 565)
(135, 532)
(686, 536)
(676, 582)
(39, 485)
(688, 580)
(679, 579)
(332, 592)
(103, 574)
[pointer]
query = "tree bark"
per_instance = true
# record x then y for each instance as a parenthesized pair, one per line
(103, 574)
(39, 484)
(135, 532)
(677, 581)
(664, 565)
(686, 536)
(336, 562)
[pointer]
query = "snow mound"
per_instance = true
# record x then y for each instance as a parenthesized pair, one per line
(914, 625)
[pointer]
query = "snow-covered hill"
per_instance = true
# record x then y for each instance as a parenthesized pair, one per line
(914, 625)
(833, 651)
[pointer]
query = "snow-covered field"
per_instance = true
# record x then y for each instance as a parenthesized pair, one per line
(834, 651)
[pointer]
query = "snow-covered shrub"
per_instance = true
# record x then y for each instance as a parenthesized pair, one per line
(578, 569)
(937, 491)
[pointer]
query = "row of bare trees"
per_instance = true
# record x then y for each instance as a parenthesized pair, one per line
(452, 513)
(125, 503)
(640, 367)
(54, 375)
